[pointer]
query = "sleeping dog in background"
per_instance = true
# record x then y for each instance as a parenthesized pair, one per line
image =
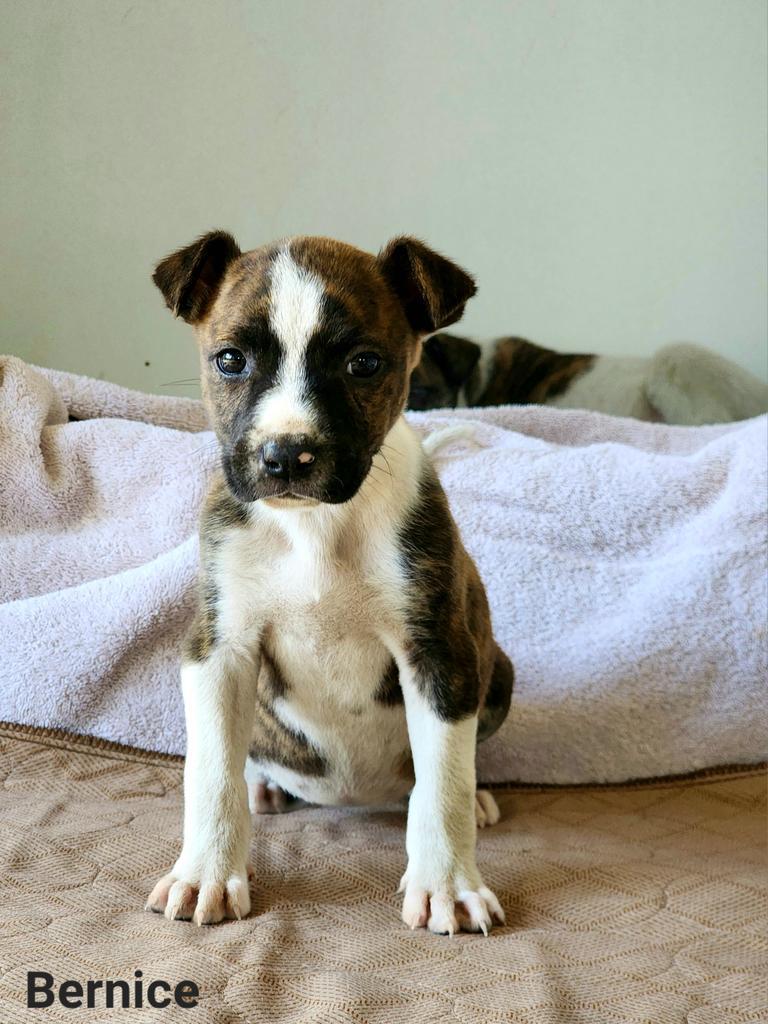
(343, 650)
(683, 384)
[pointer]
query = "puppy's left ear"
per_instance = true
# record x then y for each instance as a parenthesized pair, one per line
(432, 290)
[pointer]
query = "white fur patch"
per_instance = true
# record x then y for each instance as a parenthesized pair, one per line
(209, 880)
(441, 820)
(219, 696)
(296, 303)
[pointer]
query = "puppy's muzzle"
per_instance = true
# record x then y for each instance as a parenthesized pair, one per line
(289, 458)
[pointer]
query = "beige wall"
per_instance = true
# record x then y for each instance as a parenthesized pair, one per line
(598, 164)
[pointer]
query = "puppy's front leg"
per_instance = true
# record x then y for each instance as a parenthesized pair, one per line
(209, 881)
(443, 888)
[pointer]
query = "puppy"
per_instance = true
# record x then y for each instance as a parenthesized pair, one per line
(343, 644)
(682, 383)
(448, 371)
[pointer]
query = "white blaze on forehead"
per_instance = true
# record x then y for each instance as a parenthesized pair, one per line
(296, 298)
(295, 303)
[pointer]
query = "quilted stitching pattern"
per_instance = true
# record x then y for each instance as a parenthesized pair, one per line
(625, 905)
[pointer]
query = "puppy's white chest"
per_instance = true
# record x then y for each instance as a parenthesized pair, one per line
(332, 663)
(321, 625)
(324, 630)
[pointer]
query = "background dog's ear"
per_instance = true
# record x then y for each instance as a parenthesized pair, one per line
(456, 357)
(189, 278)
(432, 290)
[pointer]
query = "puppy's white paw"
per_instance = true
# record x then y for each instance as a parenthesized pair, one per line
(187, 898)
(448, 907)
(266, 797)
(486, 809)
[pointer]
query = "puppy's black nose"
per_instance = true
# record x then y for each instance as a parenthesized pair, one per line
(288, 458)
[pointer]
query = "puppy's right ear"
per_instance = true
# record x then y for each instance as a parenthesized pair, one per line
(190, 278)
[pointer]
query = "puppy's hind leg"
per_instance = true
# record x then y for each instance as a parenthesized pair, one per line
(265, 797)
(492, 715)
(486, 809)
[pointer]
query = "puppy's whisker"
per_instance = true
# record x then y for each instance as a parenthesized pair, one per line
(389, 468)
(389, 475)
(172, 383)
(382, 469)
(376, 490)
(209, 446)
(338, 480)
(372, 483)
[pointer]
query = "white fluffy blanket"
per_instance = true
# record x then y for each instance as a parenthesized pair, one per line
(625, 564)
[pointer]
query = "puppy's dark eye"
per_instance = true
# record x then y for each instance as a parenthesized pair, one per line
(366, 364)
(231, 362)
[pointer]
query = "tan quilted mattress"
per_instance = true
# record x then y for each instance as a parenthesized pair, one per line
(643, 903)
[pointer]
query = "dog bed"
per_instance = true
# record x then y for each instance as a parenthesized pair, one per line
(625, 566)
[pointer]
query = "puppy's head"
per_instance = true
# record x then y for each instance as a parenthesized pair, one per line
(447, 364)
(306, 348)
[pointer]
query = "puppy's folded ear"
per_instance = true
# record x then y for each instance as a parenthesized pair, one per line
(190, 278)
(432, 290)
(456, 357)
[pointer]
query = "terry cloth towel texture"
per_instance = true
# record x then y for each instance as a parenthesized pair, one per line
(624, 905)
(625, 564)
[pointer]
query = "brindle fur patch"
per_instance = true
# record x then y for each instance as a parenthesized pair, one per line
(272, 680)
(522, 373)
(272, 740)
(389, 691)
(432, 290)
(201, 636)
(498, 698)
(457, 661)
(353, 278)
(221, 513)
(405, 769)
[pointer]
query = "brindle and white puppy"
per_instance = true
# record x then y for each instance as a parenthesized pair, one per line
(682, 383)
(448, 374)
(455, 371)
(343, 644)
